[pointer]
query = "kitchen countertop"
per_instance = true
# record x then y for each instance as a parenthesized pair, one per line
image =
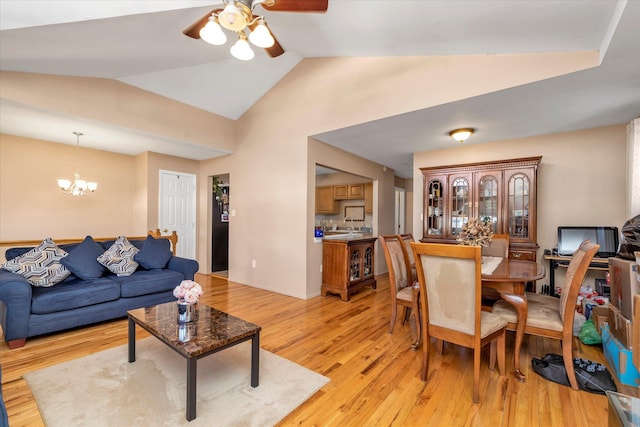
(345, 237)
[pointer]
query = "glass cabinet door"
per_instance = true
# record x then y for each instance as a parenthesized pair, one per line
(459, 202)
(355, 264)
(518, 206)
(434, 208)
(368, 261)
(488, 200)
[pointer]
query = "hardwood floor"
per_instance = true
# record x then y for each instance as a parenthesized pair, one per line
(374, 375)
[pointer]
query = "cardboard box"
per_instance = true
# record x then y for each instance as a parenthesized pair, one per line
(600, 316)
(620, 327)
(624, 284)
(619, 359)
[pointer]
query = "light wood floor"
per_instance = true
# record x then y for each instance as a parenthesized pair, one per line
(374, 375)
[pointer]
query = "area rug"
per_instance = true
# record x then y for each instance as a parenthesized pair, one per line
(103, 389)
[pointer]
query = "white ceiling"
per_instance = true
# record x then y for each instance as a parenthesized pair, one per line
(141, 43)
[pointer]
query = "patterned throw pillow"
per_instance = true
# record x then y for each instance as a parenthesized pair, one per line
(119, 257)
(41, 265)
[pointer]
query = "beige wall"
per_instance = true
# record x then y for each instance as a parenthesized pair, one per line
(272, 166)
(581, 178)
(32, 207)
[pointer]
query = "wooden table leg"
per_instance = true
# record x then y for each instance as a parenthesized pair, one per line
(192, 379)
(519, 302)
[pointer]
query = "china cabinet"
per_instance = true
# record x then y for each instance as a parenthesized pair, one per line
(503, 192)
(347, 266)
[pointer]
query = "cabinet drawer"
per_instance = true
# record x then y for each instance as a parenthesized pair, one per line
(523, 255)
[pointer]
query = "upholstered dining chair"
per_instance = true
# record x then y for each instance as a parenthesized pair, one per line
(407, 239)
(498, 246)
(552, 317)
(403, 291)
(450, 278)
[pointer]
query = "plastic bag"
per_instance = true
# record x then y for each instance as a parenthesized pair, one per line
(589, 334)
(591, 376)
(630, 238)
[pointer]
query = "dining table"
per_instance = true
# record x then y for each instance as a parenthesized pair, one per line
(509, 278)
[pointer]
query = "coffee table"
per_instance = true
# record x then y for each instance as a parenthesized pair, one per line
(213, 331)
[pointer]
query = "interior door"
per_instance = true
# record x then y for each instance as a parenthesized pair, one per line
(178, 210)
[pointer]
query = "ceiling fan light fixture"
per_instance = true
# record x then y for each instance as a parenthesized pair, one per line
(261, 36)
(462, 134)
(212, 32)
(232, 18)
(241, 49)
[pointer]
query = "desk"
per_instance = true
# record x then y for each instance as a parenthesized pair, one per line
(509, 279)
(556, 261)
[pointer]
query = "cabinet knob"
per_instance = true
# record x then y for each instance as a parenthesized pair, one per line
(517, 254)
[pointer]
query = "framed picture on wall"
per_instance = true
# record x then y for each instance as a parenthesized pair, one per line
(224, 217)
(354, 213)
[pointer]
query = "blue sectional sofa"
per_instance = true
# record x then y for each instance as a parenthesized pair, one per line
(27, 310)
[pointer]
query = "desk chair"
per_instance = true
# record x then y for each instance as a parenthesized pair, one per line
(551, 317)
(450, 280)
(403, 292)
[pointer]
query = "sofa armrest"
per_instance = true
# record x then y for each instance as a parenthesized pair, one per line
(188, 267)
(15, 305)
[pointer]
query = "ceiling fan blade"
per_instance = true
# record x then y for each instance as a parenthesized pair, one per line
(194, 30)
(298, 6)
(275, 50)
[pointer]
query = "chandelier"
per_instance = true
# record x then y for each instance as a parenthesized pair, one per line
(237, 17)
(79, 187)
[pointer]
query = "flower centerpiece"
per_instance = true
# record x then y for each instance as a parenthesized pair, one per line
(476, 232)
(188, 291)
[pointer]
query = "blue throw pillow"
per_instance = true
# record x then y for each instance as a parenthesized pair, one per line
(82, 260)
(155, 253)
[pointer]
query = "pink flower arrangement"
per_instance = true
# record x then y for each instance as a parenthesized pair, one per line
(188, 290)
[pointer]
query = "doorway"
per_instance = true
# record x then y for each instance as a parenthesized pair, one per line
(220, 226)
(178, 210)
(399, 226)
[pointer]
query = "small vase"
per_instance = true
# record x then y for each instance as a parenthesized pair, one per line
(186, 311)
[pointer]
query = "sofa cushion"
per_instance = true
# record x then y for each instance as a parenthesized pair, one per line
(148, 282)
(73, 294)
(119, 257)
(41, 265)
(83, 259)
(155, 253)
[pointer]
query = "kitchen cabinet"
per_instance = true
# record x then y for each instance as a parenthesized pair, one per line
(325, 203)
(347, 266)
(368, 198)
(503, 191)
(348, 191)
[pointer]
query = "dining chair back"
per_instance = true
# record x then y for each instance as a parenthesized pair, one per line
(407, 239)
(450, 278)
(553, 317)
(403, 292)
(498, 246)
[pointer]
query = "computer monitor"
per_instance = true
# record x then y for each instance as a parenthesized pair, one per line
(569, 239)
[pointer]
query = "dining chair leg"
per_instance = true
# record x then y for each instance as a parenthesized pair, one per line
(492, 354)
(567, 356)
(406, 313)
(418, 322)
(502, 352)
(476, 375)
(394, 314)
(425, 357)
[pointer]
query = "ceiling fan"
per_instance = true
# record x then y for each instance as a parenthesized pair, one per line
(238, 16)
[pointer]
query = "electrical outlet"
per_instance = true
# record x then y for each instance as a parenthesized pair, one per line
(253, 263)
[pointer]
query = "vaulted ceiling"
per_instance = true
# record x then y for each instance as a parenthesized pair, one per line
(141, 44)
